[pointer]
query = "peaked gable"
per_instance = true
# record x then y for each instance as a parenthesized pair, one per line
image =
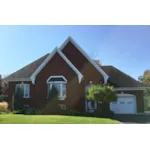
(80, 76)
(95, 65)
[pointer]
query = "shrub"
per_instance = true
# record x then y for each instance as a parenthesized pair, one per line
(18, 102)
(71, 112)
(104, 114)
(52, 107)
(4, 107)
(101, 93)
(3, 98)
(31, 111)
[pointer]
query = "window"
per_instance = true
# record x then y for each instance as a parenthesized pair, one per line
(59, 82)
(25, 89)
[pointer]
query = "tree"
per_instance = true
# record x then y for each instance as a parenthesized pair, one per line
(1, 84)
(103, 95)
(52, 107)
(18, 102)
(145, 78)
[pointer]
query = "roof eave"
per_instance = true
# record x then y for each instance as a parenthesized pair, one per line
(70, 39)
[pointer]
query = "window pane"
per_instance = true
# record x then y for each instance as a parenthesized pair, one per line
(26, 90)
(57, 86)
(48, 89)
(63, 89)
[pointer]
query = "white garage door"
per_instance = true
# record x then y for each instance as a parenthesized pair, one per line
(126, 104)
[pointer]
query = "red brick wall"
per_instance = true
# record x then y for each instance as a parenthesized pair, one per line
(29, 101)
(57, 66)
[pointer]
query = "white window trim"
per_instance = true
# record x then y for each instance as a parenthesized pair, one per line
(57, 77)
(23, 84)
(61, 84)
(24, 91)
(130, 89)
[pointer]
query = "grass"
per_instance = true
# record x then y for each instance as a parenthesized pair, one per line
(52, 119)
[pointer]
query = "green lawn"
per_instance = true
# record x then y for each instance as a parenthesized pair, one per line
(52, 119)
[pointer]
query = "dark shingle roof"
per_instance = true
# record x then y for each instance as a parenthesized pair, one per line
(116, 76)
(28, 70)
(119, 78)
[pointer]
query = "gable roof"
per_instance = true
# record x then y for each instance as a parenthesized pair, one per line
(50, 56)
(70, 39)
(119, 78)
(29, 72)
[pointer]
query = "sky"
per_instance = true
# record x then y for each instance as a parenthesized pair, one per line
(124, 47)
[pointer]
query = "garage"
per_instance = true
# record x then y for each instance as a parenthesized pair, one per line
(125, 104)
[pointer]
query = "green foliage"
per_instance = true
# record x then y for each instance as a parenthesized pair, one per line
(31, 111)
(71, 112)
(101, 93)
(18, 102)
(53, 93)
(1, 84)
(3, 98)
(52, 107)
(145, 78)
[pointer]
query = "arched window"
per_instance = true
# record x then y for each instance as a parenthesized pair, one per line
(59, 82)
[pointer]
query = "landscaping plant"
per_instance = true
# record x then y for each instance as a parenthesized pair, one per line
(103, 95)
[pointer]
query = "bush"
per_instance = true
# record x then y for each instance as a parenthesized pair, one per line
(3, 98)
(104, 114)
(18, 102)
(101, 93)
(52, 107)
(4, 107)
(71, 112)
(31, 111)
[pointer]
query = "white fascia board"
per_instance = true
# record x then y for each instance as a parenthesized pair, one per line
(80, 76)
(17, 79)
(130, 88)
(33, 76)
(86, 55)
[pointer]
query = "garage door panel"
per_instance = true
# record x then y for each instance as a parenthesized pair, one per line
(124, 105)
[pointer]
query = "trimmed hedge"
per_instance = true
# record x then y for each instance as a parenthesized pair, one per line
(3, 98)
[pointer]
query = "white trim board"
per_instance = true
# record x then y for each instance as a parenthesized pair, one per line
(130, 88)
(125, 95)
(70, 39)
(50, 56)
(65, 80)
(17, 79)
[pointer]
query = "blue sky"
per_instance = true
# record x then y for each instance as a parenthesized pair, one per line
(125, 47)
